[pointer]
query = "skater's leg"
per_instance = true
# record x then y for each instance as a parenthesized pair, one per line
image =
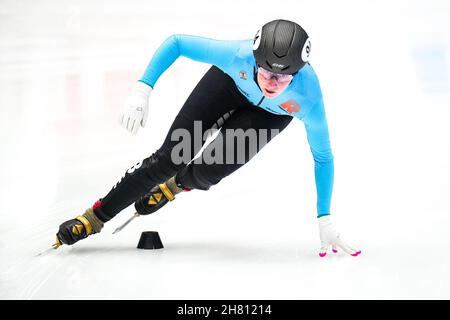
(244, 134)
(212, 101)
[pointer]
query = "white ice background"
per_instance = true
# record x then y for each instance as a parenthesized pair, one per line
(66, 68)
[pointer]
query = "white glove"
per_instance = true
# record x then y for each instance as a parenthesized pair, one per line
(135, 111)
(330, 237)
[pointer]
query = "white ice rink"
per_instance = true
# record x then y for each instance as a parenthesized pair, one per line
(66, 68)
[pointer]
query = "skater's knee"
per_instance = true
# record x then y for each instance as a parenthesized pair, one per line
(150, 171)
(157, 167)
(193, 177)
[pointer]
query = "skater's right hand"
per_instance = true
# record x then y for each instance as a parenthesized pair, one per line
(135, 111)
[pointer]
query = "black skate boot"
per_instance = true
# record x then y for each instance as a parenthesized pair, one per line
(158, 197)
(79, 228)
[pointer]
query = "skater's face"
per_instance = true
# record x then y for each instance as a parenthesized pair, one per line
(272, 84)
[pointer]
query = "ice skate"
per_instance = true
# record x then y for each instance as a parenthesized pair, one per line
(79, 228)
(158, 197)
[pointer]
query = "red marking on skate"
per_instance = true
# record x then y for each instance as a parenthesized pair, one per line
(322, 254)
(97, 204)
(291, 106)
(186, 189)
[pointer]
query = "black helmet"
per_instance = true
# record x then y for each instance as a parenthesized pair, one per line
(281, 46)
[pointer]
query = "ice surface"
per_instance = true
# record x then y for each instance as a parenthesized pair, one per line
(65, 70)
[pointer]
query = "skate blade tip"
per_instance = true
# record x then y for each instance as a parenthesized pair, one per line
(41, 253)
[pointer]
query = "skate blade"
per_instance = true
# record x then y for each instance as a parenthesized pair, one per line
(126, 223)
(54, 246)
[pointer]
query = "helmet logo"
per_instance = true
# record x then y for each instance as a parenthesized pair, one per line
(257, 40)
(306, 51)
(277, 65)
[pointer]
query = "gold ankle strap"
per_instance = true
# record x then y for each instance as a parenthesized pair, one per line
(169, 195)
(86, 224)
(95, 223)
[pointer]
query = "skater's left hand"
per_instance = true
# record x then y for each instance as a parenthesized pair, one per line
(330, 237)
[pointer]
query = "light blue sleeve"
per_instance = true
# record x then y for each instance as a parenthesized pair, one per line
(318, 138)
(215, 52)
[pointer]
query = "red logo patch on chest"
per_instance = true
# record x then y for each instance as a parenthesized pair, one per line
(291, 106)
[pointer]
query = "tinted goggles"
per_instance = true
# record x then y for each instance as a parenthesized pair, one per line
(279, 77)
